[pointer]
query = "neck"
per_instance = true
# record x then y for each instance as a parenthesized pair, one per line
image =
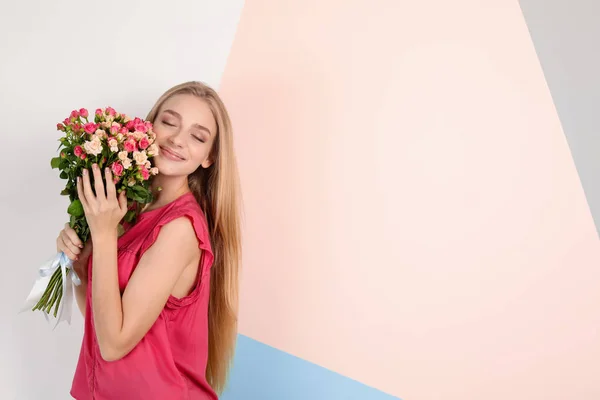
(166, 189)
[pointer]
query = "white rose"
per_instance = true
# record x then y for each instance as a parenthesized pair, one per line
(153, 150)
(100, 133)
(123, 155)
(120, 137)
(113, 142)
(148, 165)
(154, 171)
(126, 163)
(137, 135)
(140, 157)
(114, 149)
(93, 146)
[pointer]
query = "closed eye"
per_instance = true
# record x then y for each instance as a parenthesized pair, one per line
(166, 123)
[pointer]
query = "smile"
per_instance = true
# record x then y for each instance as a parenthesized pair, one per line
(170, 154)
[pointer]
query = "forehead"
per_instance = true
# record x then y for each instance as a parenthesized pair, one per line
(193, 110)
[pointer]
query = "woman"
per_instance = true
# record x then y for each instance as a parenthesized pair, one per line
(160, 302)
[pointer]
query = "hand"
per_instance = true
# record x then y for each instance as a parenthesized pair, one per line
(103, 211)
(69, 243)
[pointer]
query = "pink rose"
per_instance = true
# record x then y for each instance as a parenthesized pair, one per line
(76, 127)
(116, 180)
(111, 111)
(149, 125)
(145, 173)
(60, 127)
(67, 121)
(130, 125)
(130, 145)
(84, 113)
(83, 156)
(137, 120)
(144, 143)
(74, 114)
(78, 151)
(123, 130)
(99, 112)
(115, 127)
(117, 168)
(90, 127)
(141, 127)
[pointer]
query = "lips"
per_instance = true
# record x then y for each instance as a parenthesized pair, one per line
(171, 154)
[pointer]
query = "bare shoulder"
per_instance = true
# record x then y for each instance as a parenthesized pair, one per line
(180, 230)
(177, 236)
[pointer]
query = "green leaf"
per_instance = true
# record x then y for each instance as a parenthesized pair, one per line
(131, 194)
(55, 162)
(139, 190)
(65, 192)
(76, 208)
(64, 163)
(64, 175)
(130, 216)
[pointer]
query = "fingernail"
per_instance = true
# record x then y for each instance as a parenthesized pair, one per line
(81, 246)
(106, 170)
(95, 166)
(85, 172)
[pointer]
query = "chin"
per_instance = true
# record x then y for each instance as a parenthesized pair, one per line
(167, 168)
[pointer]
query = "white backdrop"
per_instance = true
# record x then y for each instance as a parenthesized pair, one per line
(57, 56)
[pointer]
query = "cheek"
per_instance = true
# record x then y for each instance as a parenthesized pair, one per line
(198, 154)
(160, 134)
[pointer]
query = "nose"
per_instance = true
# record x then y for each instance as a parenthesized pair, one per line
(175, 139)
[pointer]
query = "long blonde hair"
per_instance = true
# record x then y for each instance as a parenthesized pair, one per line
(216, 189)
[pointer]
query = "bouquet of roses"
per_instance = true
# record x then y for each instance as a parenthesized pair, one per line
(111, 140)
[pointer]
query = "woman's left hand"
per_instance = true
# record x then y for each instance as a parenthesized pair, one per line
(103, 211)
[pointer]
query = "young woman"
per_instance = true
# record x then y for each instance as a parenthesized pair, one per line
(160, 301)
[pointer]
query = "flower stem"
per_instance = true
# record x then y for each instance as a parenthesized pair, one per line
(51, 293)
(60, 295)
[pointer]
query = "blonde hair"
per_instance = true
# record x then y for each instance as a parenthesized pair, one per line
(216, 189)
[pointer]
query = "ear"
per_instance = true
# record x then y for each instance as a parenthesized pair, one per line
(207, 163)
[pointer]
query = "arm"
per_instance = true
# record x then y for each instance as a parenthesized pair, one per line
(121, 322)
(81, 296)
(69, 243)
(81, 269)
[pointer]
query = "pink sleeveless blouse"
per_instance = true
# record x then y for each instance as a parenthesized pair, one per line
(170, 360)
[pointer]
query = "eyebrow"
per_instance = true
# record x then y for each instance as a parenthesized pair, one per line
(176, 114)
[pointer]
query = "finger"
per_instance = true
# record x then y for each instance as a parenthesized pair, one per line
(111, 191)
(81, 194)
(72, 235)
(98, 184)
(87, 189)
(70, 245)
(123, 201)
(65, 249)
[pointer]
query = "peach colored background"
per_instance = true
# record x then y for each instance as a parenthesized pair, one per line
(414, 219)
